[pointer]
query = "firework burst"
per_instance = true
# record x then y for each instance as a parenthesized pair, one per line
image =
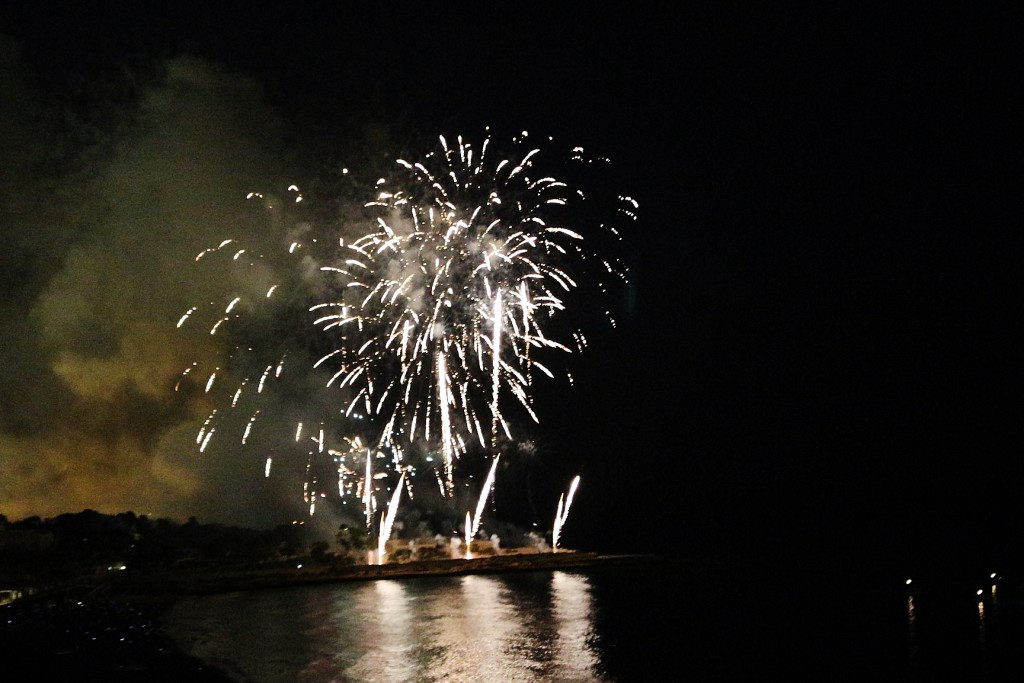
(446, 306)
(256, 378)
(427, 329)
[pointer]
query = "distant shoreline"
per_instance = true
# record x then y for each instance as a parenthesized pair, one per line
(178, 583)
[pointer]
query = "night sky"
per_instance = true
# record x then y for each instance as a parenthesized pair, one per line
(820, 345)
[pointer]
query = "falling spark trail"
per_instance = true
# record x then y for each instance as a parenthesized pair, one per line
(389, 520)
(368, 500)
(482, 502)
(496, 370)
(563, 512)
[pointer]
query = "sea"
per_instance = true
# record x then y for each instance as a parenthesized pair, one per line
(661, 619)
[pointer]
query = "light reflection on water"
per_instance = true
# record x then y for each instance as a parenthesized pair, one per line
(912, 636)
(612, 624)
(956, 631)
(527, 627)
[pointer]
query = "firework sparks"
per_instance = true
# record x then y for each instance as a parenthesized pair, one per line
(562, 513)
(262, 357)
(369, 502)
(467, 254)
(473, 523)
(389, 521)
(439, 320)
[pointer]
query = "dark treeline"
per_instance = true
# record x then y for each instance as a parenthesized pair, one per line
(89, 542)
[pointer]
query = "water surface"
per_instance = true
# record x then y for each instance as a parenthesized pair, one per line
(613, 624)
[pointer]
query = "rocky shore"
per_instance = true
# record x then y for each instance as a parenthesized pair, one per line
(82, 636)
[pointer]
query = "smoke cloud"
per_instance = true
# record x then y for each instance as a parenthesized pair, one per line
(99, 244)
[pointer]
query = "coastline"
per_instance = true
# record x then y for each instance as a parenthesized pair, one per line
(113, 630)
(167, 586)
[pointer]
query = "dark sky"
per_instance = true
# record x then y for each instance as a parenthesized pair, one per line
(821, 342)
